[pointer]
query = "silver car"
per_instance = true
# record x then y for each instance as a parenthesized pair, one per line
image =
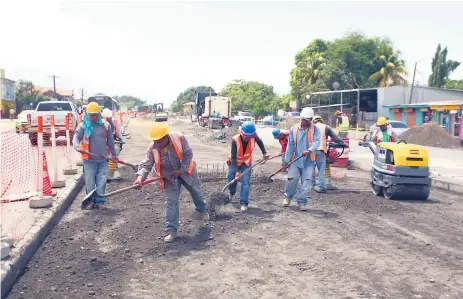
(398, 127)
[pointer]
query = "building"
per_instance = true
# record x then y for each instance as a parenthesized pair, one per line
(61, 94)
(372, 103)
(7, 95)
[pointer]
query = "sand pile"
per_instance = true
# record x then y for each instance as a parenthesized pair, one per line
(288, 123)
(430, 134)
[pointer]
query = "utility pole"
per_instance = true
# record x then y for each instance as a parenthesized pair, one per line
(54, 85)
(413, 83)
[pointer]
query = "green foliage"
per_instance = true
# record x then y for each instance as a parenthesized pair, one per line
(454, 84)
(129, 101)
(27, 97)
(188, 96)
(390, 67)
(441, 68)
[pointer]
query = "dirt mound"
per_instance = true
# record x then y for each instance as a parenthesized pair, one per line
(430, 134)
(286, 124)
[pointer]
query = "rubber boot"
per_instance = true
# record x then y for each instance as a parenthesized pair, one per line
(330, 185)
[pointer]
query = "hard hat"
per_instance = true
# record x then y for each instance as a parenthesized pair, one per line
(307, 113)
(248, 129)
(276, 132)
(381, 121)
(317, 118)
(158, 131)
(337, 112)
(93, 108)
(107, 113)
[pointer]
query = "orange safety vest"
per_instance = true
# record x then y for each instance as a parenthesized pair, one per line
(85, 143)
(323, 142)
(310, 132)
(177, 144)
(244, 155)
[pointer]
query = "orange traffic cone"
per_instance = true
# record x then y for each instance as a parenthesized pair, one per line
(47, 191)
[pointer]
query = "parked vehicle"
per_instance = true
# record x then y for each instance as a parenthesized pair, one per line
(21, 122)
(59, 109)
(292, 114)
(244, 116)
(271, 120)
(217, 112)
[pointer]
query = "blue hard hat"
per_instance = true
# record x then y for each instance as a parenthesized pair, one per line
(248, 129)
(276, 133)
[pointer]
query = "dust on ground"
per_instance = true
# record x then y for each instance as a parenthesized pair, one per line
(348, 245)
(430, 134)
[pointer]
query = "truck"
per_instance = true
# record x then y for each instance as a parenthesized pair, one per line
(159, 113)
(60, 110)
(217, 112)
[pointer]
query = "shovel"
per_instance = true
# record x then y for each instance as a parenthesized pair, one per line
(282, 168)
(88, 199)
(134, 167)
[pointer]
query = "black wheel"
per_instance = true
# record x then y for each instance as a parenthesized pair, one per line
(390, 192)
(376, 189)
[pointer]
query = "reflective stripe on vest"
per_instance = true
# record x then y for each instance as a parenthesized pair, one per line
(177, 144)
(344, 125)
(246, 156)
(85, 143)
(310, 132)
(323, 146)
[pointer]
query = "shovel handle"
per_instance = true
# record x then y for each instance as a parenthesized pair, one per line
(284, 167)
(130, 187)
(118, 161)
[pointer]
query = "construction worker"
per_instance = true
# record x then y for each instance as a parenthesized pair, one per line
(342, 124)
(384, 132)
(172, 158)
(321, 162)
(240, 159)
(94, 136)
(282, 136)
(304, 140)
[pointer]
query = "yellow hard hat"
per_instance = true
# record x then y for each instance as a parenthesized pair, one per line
(93, 108)
(317, 118)
(381, 121)
(158, 131)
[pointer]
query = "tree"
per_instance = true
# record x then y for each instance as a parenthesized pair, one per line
(129, 101)
(441, 68)
(188, 96)
(454, 84)
(27, 97)
(391, 69)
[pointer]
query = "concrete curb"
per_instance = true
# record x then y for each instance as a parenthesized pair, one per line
(21, 254)
(436, 183)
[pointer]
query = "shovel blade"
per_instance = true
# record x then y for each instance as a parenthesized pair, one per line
(87, 200)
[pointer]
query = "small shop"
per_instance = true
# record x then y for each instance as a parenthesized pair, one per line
(446, 114)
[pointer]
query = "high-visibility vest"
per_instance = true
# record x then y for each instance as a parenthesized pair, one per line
(379, 137)
(344, 125)
(244, 155)
(85, 143)
(323, 142)
(294, 131)
(177, 144)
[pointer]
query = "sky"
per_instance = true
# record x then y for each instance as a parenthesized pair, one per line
(155, 50)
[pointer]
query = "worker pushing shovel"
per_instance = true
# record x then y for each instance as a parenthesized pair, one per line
(172, 159)
(94, 135)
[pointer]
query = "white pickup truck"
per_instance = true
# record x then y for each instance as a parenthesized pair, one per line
(59, 109)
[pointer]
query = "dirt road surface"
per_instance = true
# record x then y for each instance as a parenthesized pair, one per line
(348, 245)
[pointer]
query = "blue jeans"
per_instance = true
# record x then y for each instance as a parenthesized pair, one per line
(173, 190)
(95, 176)
(245, 182)
(320, 163)
(305, 175)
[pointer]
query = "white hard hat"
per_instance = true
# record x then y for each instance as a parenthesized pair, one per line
(307, 113)
(107, 113)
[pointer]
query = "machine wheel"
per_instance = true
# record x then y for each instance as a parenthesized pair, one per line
(390, 192)
(376, 189)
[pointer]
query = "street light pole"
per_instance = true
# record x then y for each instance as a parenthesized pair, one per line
(54, 85)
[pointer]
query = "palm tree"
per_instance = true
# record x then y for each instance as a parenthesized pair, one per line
(311, 68)
(392, 70)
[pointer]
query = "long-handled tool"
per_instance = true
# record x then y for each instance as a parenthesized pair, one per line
(88, 199)
(134, 167)
(283, 168)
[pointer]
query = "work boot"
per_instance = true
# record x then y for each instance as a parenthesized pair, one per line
(319, 190)
(286, 202)
(303, 207)
(203, 216)
(170, 237)
(90, 206)
(330, 186)
(244, 208)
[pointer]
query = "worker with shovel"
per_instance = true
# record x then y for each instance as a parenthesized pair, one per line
(304, 141)
(172, 159)
(282, 136)
(240, 159)
(94, 140)
(320, 160)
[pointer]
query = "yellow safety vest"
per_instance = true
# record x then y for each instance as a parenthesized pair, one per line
(323, 142)
(344, 125)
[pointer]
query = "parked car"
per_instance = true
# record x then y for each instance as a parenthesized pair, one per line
(22, 122)
(292, 114)
(271, 120)
(398, 127)
(243, 116)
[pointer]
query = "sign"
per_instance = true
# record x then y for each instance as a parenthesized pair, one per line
(445, 107)
(424, 109)
(8, 89)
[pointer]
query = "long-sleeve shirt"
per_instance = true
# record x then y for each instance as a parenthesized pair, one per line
(234, 150)
(284, 142)
(302, 145)
(98, 142)
(169, 162)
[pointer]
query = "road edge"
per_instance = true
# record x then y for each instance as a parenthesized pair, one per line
(22, 253)
(439, 184)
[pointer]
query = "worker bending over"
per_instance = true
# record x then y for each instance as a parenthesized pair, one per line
(172, 159)
(321, 156)
(304, 140)
(282, 136)
(384, 132)
(240, 159)
(94, 136)
(342, 124)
